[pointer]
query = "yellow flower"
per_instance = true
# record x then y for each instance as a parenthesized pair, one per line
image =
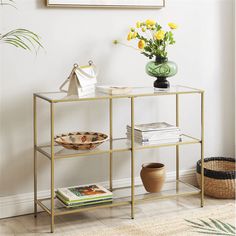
(132, 29)
(129, 37)
(173, 25)
(159, 35)
(150, 22)
(134, 35)
(138, 24)
(141, 44)
(143, 29)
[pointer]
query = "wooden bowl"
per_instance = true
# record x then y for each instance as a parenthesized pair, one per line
(81, 140)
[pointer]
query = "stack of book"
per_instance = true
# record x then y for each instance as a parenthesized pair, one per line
(155, 133)
(83, 195)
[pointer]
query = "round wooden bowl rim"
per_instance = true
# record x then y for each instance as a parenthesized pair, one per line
(83, 134)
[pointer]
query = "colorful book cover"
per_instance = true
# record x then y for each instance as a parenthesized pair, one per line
(94, 191)
(81, 201)
(80, 204)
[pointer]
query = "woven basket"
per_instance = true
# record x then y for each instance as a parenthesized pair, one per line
(219, 180)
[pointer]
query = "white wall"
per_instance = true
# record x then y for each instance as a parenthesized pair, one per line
(204, 53)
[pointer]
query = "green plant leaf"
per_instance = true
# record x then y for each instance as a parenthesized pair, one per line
(203, 228)
(223, 234)
(217, 225)
(16, 42)
(214, 227)
(22, 38)
(228, 227)
(7, 3)
(205, 223)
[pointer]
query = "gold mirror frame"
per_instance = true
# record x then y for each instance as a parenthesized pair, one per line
(48, 4)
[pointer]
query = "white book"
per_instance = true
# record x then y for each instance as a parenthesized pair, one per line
(154, 138)
(155, 134)
(113, 90)
(163, 141)
(157, 126)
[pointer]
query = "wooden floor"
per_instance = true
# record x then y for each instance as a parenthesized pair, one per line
(71, 225)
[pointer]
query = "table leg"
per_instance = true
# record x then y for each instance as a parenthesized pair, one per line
(132, 158)
(111, 144)
(202, 149)
(35, 154)
(52, 167)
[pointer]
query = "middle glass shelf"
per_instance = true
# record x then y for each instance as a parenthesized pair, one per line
(118, 145)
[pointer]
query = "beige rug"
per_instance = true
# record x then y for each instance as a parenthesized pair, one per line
(170, 224)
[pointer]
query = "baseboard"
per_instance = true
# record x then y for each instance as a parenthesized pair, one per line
(22, 204)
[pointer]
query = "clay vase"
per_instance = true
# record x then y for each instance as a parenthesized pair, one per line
(153, 177)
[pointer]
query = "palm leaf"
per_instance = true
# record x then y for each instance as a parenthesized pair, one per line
(17, 43)
(217, 225)
(203, 228)
(213, 233)
(214, 227)
(228, 227)
(193, 223)
(8, 3)
(205, 223)
(22, 38)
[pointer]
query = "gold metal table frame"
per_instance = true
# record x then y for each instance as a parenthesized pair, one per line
(49, 150)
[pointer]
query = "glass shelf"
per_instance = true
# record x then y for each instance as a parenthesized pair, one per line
(136, 92)
(119, 145)
(121, 196)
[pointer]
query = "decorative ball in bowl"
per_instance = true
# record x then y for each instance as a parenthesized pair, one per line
(81, 140)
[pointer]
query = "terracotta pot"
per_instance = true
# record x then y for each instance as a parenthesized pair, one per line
(153, 176)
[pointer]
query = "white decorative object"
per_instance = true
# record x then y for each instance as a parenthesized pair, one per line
(81, 80)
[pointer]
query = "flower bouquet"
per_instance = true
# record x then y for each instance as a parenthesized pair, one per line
(153, 41)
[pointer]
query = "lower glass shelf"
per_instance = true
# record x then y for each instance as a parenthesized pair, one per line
(121, 196)
(118, 145)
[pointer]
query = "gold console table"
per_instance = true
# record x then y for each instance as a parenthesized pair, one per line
(122, 196)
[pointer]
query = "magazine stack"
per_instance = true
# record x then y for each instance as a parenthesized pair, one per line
(155, 133)
(83, 195)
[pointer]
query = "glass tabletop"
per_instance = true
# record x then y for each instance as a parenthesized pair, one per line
(135, 92)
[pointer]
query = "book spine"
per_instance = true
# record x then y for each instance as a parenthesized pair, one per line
(154, 131)
(154, 137)
(162, 141)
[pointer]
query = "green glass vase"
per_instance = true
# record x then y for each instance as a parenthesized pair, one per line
(161, 68)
